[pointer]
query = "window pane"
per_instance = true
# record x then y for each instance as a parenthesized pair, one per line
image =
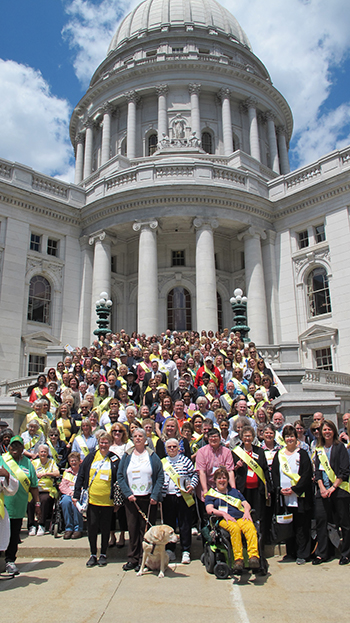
(303, 239)
(323, 358)
(207, 143)
(52, 247)
(320, 233)
(178, 258)
(36, 365)
(179, 309)
(39, 300)
(35, 242)
(152, 144)
(318, 292)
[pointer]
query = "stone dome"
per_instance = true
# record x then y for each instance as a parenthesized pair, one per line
(163, 15)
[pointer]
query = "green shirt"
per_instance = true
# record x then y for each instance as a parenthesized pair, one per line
(17, 504)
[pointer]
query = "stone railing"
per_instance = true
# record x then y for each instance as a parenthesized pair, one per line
(24, 177)
(17, 385)
(325, 168)
(326, 377)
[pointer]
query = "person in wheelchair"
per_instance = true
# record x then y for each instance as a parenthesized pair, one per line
(228, 503)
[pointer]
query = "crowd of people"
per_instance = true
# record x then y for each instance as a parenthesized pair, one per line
(185, 419)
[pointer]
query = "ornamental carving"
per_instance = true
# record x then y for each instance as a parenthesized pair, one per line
(305, 260)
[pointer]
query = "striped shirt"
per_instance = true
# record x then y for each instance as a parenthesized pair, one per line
(184, 467)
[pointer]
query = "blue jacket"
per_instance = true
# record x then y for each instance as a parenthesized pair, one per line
(157, 475)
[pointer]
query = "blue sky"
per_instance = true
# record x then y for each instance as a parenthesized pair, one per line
(50, 48)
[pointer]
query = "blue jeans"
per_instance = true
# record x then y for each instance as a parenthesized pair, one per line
(73, 520)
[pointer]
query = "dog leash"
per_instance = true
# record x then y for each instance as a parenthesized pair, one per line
(145, 517)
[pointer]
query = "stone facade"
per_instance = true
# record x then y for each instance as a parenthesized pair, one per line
(182, 187)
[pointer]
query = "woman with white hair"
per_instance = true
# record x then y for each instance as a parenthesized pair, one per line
(180, 481)
(141, 477)
(46, 470)
(32, 439)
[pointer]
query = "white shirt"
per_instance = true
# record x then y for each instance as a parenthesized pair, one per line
(139, 474)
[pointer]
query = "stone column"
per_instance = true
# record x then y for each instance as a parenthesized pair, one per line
(194, 90)
(88, 148)
(132, 98)
(79, 158)
(283, 151)
(224, 96)
(162, 91)
(271, 137)
(271, 285)
(207, 312)
(84, 322)
(147, 304)
(253, 129)
(254, 277)
(106, 133)
(101, 274)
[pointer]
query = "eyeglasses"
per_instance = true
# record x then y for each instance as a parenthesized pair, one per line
(172, 447)
(117, 432)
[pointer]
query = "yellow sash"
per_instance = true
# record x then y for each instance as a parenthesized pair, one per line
(53, 451)
(207, 394)
(82, 445)
(287, 470)
(236, 502)
(18, 473)
(108, 427)
(176, 479)
(52, 400)
(45, 482)
(31, 443)
(2, 506)
(327, 468)
(228, 399)
(254, 466)
(144, 367)
(279, 439)
(69, 476)
(59, 425)
(240, 386)
(211, 374)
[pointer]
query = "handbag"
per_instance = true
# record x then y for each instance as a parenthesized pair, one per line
(282, 527)
(118, 495)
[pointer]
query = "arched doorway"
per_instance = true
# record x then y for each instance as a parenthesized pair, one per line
(179, 309)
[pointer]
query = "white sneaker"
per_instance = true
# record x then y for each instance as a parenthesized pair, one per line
(40, 531)
(32, 531)
(171, 554)
(186, 558)
(194, 531)
(11, 568)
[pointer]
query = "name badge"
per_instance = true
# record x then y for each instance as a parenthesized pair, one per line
(136, 474)
(250, 473)
(223, 509)
(103, 476)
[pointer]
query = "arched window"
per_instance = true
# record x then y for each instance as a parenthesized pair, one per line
(123, 147)
(318, 292)
(179, 309)
(219, 305)
(207, 142)
(39, 302)
(152, 144)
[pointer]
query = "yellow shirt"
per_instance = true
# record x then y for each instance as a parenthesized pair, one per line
(100, 489)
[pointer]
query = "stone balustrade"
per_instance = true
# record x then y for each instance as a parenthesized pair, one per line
(24, 177)
(325, 168)
(316, 378)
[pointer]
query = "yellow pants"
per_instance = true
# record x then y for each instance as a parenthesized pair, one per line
(235, 528)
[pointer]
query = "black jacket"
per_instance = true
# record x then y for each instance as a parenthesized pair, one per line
(339, 463)
(304, 485)
(82, 481)
(241, 472)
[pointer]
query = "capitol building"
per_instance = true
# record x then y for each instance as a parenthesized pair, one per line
(182, 193)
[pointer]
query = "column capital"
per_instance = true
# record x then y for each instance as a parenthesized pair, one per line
(194, 88)
(252, 232)
(107, 107)
(224, 94)
(84, 242)
(100, 236)
(162, 89)
(270, 236)
(132, 96)
(281, 129)
(199, 222)
(89, 123)
(269, 114)
(79, 138)
(152, 224)
(251, 102)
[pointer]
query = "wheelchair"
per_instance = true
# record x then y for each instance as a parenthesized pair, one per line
(57, 521)
(218, 556)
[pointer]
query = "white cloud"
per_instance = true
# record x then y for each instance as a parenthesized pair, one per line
(89, 30)
(300, 41)
(35, 131)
